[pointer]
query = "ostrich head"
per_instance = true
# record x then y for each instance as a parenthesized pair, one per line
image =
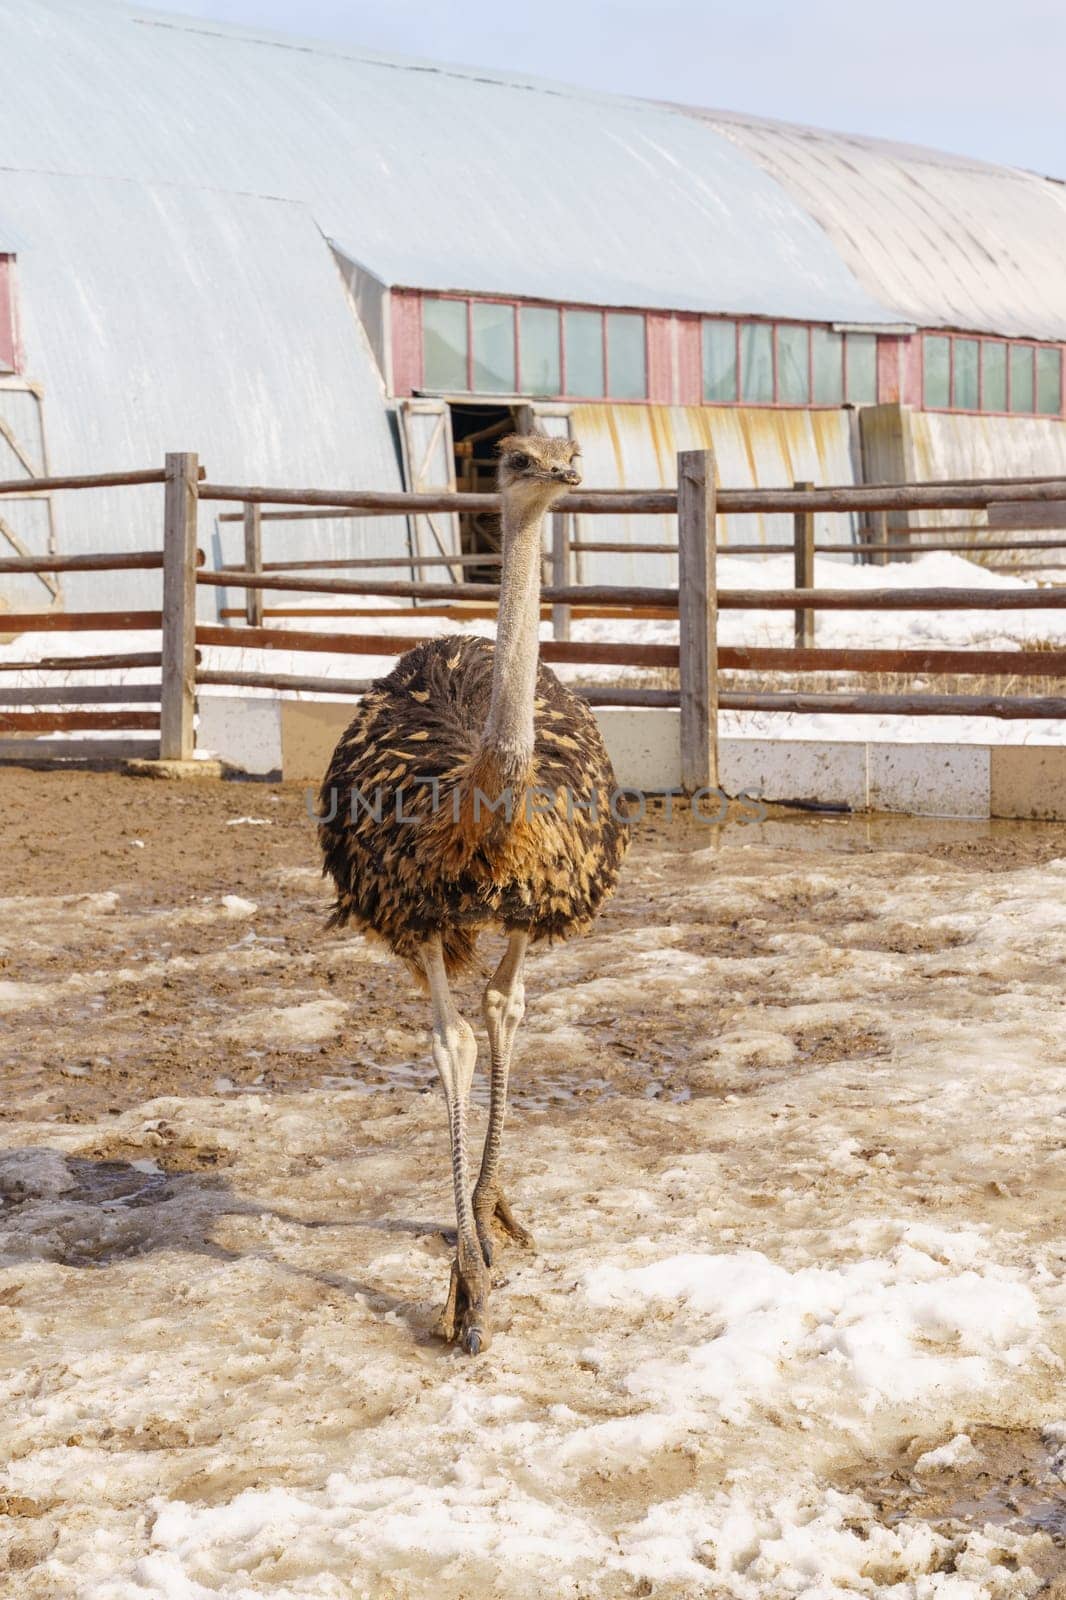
(536, 468)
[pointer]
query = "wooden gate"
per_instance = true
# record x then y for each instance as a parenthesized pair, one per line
(26, 527)
(429, 468)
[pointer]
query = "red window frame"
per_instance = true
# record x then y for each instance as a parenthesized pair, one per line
(562, 307)
(776, 324)
(981, 340)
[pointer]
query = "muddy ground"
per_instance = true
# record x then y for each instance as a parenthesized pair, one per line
(824, 1047)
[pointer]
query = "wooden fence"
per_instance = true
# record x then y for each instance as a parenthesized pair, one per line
(164, 709)
(695, 602)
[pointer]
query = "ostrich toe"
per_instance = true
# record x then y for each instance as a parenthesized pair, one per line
(464, 1319)
(493, 1213)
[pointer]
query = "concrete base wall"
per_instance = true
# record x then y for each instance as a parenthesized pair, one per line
(297, 738)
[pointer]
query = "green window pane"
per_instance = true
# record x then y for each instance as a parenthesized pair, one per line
(1021, 377)
(719, 361)
(793, 376)
(538, 332)
(493, 328)
(1049, 381)
(757, 361)
(827, 364)
(936, 361)
(993, 375)
(861, 351)
(627, 373)
(584, 354)
(964, 375)
(444, 344)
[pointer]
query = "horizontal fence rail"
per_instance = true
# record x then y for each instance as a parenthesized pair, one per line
(132, 560)
(166, 708)
(67, 721)
(82, 694)
(955, 496)
(99, 480)
(909, 705)
(82, 621)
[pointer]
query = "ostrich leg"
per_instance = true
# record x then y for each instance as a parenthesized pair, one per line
(504, 1007)
(465, 1315)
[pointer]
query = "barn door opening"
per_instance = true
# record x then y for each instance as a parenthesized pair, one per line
(477, 431)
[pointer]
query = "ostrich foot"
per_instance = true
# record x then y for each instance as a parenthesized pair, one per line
(491, 1210)
(465, 1319)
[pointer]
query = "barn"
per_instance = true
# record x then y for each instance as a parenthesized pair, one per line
(316, 266)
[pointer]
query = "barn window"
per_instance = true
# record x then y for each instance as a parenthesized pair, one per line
(539, 334)
(963, 372)
(993, 375)
(793, 364)
(1021, 377)
(444, 345)
(827, 366)
(1048, 381)
(936, 362)
(757, 362)
(493, 328)
(584, 354)
(719, 360)
(965, 388)
(627, 375)
(860, 361)
(787, 364)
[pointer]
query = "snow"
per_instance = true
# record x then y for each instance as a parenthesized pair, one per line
(308, 1023)
(958, 1451)
(1008, 630)
(883, 1331)
(238, 907)
(740, 1303)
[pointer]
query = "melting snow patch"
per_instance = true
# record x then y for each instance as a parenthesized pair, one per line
(864, 1335)
(289, 1025)
(249, 822)
(958, 1452)
(236, 907)
(817, 1544)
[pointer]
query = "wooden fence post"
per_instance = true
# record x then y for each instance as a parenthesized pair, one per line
(177, 740)
(803, 538)
(560, 571)
(253, 561)
(698, 619)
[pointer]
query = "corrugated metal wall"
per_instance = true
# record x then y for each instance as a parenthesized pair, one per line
(636, 447)
(171, 319)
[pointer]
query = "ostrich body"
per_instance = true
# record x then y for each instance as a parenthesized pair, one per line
(472, 790)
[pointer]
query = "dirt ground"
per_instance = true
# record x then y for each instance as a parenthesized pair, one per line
(823, 1047)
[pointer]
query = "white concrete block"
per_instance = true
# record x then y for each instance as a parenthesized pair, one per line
(932, 780)
(243, 732)
(795, 769)
(644, 744)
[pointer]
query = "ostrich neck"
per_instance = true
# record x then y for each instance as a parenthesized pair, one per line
(508, 732)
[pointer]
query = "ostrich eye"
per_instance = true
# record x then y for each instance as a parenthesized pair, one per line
(519, 463)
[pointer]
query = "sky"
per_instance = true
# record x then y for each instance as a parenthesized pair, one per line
(973, 76)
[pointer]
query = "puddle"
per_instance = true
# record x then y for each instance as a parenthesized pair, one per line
(111, 1184)
(1015, 1479)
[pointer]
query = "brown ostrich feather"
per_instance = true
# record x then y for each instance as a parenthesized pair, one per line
(422, 833)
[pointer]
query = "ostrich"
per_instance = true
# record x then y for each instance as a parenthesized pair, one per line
(472, 789)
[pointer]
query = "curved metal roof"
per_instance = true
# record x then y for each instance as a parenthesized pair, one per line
(433, 176)
(451, 177)
(946, 240)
